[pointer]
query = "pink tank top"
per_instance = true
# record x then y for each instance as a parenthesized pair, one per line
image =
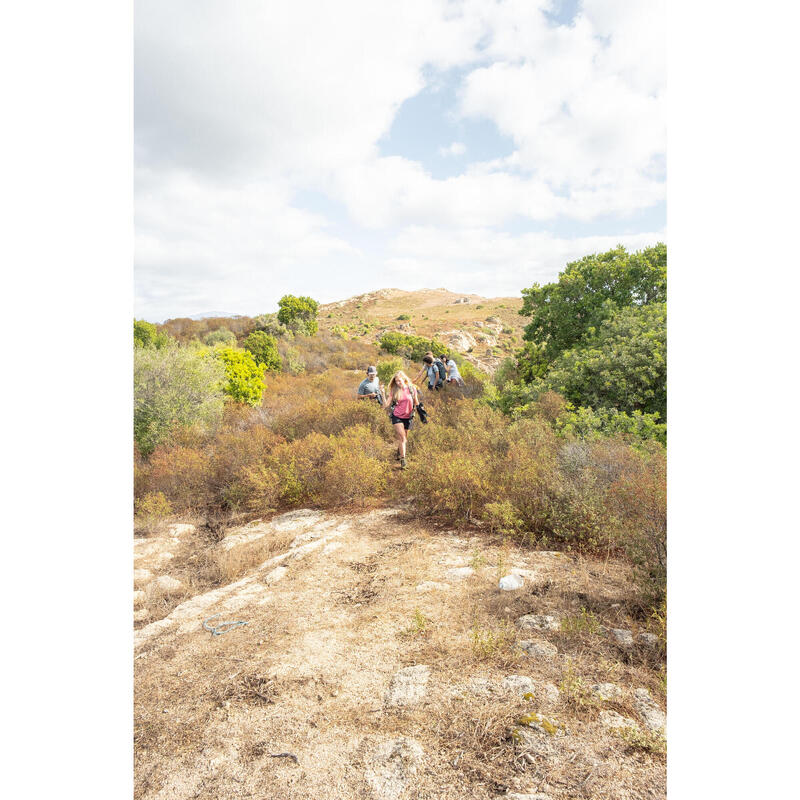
(405, 404)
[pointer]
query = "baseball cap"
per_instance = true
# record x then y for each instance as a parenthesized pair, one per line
(371, 370)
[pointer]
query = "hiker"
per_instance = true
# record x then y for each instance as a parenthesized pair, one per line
(435, 372)
(370, 387)
(453, 375)
(402, 400)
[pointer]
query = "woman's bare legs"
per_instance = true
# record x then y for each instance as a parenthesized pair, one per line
(400, 438)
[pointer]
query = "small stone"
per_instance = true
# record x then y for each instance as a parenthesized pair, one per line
(648, 640)
(519, 684)
(624, 638)
(610, 719)
(509, 583)
(408, 686)
(433, 586)
(652, 716)
(607, 691)
(459, 573)
(538, 648)
(141, 576)
(539, 622)
(140, 615)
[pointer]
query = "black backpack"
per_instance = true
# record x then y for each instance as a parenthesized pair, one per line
(440, 366)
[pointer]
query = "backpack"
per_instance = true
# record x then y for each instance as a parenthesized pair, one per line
(439, 364)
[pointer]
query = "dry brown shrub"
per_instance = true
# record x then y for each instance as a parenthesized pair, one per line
(550, 406)
(182, 474)
(358, 469)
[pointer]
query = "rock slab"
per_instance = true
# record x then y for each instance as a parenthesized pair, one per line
(391, 766)
(408, 686)
(539, 622)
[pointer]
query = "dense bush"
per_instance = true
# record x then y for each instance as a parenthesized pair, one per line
(264, 349)
(244, 377)
(271, 325)
(145, 334)
(220, 336)
(412, 347)
(388, 367)
(298, 314)
(173, 387)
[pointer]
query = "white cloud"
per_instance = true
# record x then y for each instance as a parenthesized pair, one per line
(454, 149)
(493, 263)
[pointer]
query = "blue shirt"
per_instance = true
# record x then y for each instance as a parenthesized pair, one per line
(368, 386)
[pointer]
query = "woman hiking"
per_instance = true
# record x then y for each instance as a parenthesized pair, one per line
(402, 399)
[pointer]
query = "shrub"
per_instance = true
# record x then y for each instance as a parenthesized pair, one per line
(587, 423)
(502, 517)
(404, 316)
(269, 324)
(151, 510)
(245, 378)
(264, 349)
(293, 362)
(298, 314)
(183, 475)
(387, 369)
(145, 334)
(412, 347)
(357, 469)
(173, 387)
(220, 336)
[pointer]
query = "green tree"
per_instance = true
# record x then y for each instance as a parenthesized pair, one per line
(299, 314)
(173, 387)
(590, 290)
(244, 377)
(270, 324)
(220, 336)
(264, 349)
(622, 364)
(145, 334)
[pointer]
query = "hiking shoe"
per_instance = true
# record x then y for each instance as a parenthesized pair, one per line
(396, 455)
(403, 463)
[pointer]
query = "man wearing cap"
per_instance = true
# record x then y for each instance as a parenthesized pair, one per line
(370, 387)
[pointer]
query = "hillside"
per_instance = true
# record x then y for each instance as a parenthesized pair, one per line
(484, 330)
(380, 660)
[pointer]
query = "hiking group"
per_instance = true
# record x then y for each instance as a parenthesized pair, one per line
(401, 397)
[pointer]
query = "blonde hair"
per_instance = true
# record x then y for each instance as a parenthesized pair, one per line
(399, 380)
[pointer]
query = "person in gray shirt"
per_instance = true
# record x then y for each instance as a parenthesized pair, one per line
(370, 387)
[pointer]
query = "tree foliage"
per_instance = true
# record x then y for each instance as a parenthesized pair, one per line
(146, 334)
(270, 324)
(244, 377)
(264, 349)
(590, 290)
(172, 387)
(298, 314)
(622, 364)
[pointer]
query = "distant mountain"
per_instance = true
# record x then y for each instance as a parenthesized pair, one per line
(208, 314)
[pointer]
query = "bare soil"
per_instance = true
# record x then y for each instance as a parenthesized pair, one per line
(292, 704)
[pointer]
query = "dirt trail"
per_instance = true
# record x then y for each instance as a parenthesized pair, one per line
(382, 657)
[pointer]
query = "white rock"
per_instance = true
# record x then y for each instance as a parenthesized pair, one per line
(648, 640)
(432, 586)
(622, 637)
(178, 529)
(539, 648)
(610, 719)
(408, 686)
(652, 716)
(519, 684)
(391, 766)
(331, 546)
(161, 559)
(459, 573)
(138, 598)
(140, 614)
(141, 576)
(509, 583)
(539, 622)
(166, 584)
(275, 575)
(607, 691)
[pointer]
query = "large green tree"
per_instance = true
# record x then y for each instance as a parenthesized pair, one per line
(621, 364)
(245, 378)
(146, 334)
(299, 314)
(587, 292)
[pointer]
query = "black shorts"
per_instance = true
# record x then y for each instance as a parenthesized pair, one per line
(405, 422)
(437, 387)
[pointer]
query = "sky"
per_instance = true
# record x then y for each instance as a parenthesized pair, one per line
(329, 149)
